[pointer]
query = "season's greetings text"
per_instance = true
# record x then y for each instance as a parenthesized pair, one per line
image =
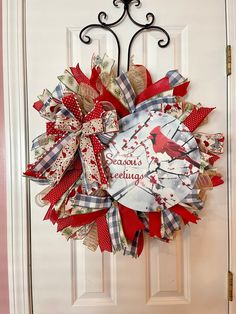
(128, 165)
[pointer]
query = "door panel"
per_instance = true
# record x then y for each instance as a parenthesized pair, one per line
(187, 275)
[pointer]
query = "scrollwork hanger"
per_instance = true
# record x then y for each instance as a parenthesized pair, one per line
(102, 17)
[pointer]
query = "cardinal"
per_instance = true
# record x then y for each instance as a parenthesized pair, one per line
(162, 144)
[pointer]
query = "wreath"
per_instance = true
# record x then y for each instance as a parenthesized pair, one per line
(121, 156)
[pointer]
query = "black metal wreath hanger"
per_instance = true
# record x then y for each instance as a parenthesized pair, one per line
(102, 17)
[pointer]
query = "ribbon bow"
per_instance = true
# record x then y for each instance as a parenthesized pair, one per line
(86, 127)
(75, 131)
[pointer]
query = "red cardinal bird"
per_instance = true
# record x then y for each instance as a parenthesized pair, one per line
(162, 144)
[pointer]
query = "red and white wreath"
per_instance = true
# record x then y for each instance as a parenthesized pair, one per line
(122, 156)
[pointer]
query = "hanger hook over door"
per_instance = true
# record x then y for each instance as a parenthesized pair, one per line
(149, 26)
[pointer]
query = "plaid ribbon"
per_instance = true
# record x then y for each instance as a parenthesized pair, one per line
(39, 141)
(52, 155)
(193, 199)
(127, 89)
(64, 112)
(155, 103)
(171, 222)
(47, 96)
(142, 216)
(132, 248)
(58, 91)
(40, 181)
(90, 201)
(106, 138)
(115, 228)
(175, 78)
(87, 186)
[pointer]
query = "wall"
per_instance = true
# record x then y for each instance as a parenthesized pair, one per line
(4, 302)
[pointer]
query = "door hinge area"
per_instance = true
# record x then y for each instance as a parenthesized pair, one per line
(229, 60)
(230, 286)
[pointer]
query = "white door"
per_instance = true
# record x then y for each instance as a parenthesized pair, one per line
(183, 277)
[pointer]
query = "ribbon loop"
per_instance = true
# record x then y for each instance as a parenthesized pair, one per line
(90, 201)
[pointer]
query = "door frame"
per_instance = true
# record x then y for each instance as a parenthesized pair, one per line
(17, 140)
(231, 140)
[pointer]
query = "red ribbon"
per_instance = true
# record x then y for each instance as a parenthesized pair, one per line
(95, 80)
(107, 96)
(50, 129)
(181, 90)
(66, 182)
(155, 224)
(154, 89)
(216, 180)
(38, 105)
(51, 215)
(196, 117)
(185, 214)
(79, 220)
(104, 239)
(79, 75)
(130, 222)
(213, 158)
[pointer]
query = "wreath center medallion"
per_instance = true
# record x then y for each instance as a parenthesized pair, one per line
(154, 156)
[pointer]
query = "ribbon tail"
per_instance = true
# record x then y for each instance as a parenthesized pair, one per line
(107, 96)
(79, 220)
(130, 222)
(154, 89)
(216, 180)
(155, 224)
(181, 90)
(185, 214)
(69, 81)
(196, 117)
(79, 75)
(51, 215)
(115, 228)
(66, 182)
(140, 243)
(104, 239)
(90, 162)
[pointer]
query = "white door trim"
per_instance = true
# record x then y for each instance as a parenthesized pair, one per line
(231, 40)
(15, 106)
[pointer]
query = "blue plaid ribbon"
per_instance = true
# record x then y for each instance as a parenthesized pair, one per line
(127, 89)
(64, 112)
(143, 217)
(57, 93)
(37, 142)
(114, 221)
(155, 103)
(132, 248)
(193, 199)
(52, 155)
(171, 222)
(91, 201)
(175, 78)
(105, 138)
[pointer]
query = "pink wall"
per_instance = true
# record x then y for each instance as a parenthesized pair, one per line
(4, 302)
